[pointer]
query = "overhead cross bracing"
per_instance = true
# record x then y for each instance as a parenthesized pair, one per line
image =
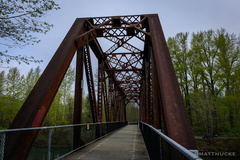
(124, 67)
(134, 64)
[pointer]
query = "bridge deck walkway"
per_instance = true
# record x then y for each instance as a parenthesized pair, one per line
(125, 144)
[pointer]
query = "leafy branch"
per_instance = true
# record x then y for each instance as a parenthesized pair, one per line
(19, 19)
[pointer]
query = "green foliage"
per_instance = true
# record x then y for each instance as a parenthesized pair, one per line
(31, 78)
(18, 20)
(86, 110)
(14, 89)
(207, 66)
(132, 112)
(2, 75)
(61, 109)
(14, 83)
(8, 109)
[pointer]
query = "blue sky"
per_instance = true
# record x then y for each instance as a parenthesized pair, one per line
(175, 16)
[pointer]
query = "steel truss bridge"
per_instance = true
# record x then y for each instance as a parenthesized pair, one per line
(134, 65)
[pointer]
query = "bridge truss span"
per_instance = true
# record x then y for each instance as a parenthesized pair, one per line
(134, 65)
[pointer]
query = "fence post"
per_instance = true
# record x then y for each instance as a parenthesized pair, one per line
(160, 146)
(100, 134)
(2, 146)
(49, 143)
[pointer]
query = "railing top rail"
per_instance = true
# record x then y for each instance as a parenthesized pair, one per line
(51, 127)
(176, 145)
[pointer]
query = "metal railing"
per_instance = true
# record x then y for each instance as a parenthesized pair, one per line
(161, 147)
(48, 137)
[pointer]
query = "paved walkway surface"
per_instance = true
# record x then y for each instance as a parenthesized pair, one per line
(124, 144)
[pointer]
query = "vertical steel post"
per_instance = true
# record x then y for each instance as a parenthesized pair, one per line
(2, 145)
(110, 99)
(147, 89)
(150, 86)
(160, 147)
(100, 90)
(143, 103)
(49, 143)
(89, 76)
(106, 101)
(77, 115)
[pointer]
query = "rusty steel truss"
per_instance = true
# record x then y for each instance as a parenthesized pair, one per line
(134, 65)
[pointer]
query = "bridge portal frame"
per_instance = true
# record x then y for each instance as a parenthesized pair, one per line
(157, 91)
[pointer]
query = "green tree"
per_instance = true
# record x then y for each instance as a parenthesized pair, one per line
(66, 92)
(31, 79)
(179, 49)
(61, 109)
(203, 44)
(228, 58)
(14, 84)
(86, 110)
(11, 96)
(14, 88)
(132, 112)
(228, 61)
(9, 107)
(208, 73)
(203, 111)
(19, 19)
(2, 79)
